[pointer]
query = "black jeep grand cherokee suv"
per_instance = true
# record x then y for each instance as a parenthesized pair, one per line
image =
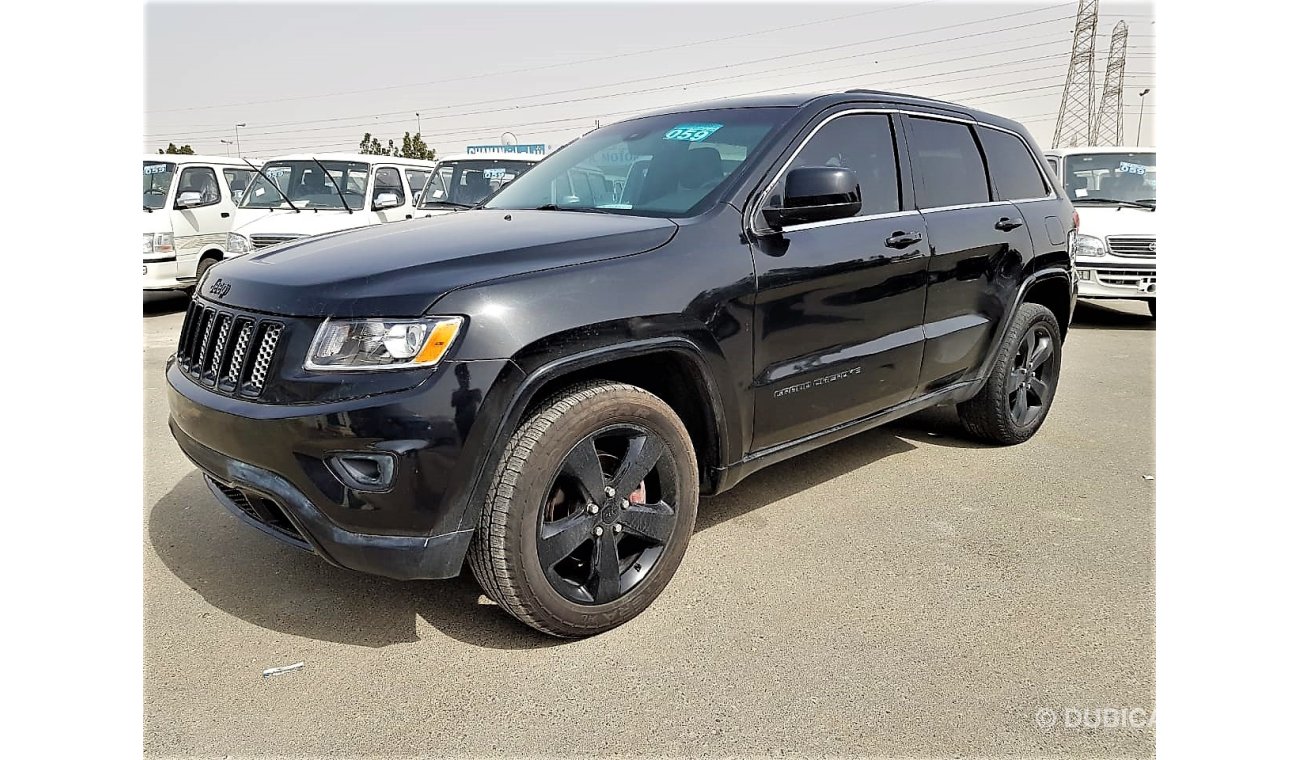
(548, 382)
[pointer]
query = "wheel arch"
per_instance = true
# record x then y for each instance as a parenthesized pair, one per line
(672, 368)
(1054, 293)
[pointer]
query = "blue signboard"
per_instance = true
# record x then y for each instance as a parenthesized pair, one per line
(534, 149)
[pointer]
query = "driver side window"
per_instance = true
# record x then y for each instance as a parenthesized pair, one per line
(863, 143)
(389, 180)
(201, 180)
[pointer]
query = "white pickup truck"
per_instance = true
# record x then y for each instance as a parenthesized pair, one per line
(1114, 192)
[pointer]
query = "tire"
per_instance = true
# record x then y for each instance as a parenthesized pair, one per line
(200, 270)
(549, 493)
(1151, 307)
(996, 414)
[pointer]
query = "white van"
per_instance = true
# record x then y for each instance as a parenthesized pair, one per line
(462, 180)
(302, 195)
(1114, 192)
(189, 206)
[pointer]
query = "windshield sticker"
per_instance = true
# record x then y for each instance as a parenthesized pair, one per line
(691, 132)
(495, 173)
(1126, 168)
(155, 169)
(1080, 192)
(260, 191)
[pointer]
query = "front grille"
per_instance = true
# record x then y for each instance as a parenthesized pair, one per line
(1130, 245)
(264, 241)
(1126, 278)
(226, 351)
(261, 509)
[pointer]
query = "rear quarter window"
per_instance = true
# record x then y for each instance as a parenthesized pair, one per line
(1015, 172)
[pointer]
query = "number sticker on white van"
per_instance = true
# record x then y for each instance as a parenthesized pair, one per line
(1126, 168)
(691, 132)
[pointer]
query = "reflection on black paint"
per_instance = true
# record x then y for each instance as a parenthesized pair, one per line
(465, 400)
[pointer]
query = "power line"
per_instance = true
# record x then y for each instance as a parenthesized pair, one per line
(660, 76)
(909, 45)
(530, 69)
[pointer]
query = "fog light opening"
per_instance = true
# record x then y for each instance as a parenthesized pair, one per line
(365, 472)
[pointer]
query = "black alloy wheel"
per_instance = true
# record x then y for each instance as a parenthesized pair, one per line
(590, 511)
(1032, 376)
(610, 512)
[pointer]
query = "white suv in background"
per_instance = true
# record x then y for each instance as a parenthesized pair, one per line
(1114, 192)
(189, 205)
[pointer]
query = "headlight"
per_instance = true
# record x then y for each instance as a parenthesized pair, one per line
(1086, 246)
(237, 243)
(367, 344)
(158, 242)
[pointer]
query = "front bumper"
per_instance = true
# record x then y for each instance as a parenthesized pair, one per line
(269, 465)
(162, 275)
(1116, 279)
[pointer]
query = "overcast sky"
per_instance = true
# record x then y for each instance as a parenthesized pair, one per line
(317, 76)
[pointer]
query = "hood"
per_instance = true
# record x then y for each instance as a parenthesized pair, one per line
(400, 269)
(1103, 221)
(290, 222)
(158, 220)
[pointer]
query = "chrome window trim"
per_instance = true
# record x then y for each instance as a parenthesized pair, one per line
(848, 220)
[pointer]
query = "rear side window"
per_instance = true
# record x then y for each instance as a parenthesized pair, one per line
(417, 179)
(1015, 172)
(946, 162)
(863, 143)
(238, 181)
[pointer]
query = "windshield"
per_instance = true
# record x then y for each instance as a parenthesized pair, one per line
(1129, 177)
(307, 186)
(466, 182)
(655, 166)
(158, 176)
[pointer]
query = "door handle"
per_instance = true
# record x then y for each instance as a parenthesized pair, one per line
(1006, 225)
(225, 214)
(903, 239)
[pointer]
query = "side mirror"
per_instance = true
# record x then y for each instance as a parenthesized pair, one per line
(816, 194)
(386, 200)
(189, 200)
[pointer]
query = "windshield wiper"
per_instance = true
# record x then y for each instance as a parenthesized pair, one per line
(1127, 204)
(579, 209)
(337, 189)
(446, 203)
(272, 184)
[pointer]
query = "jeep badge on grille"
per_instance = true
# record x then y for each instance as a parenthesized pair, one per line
(219, 289)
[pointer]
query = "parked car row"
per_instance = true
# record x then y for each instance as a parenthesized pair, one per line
(202, 209)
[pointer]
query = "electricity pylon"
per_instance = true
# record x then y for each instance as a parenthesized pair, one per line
(1074, 121)
(1108, 127)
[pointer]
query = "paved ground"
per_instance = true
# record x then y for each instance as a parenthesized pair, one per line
(901, 593)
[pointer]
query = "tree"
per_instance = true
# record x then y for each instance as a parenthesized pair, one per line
(371, 146)
(413, 146)
(184, 150)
